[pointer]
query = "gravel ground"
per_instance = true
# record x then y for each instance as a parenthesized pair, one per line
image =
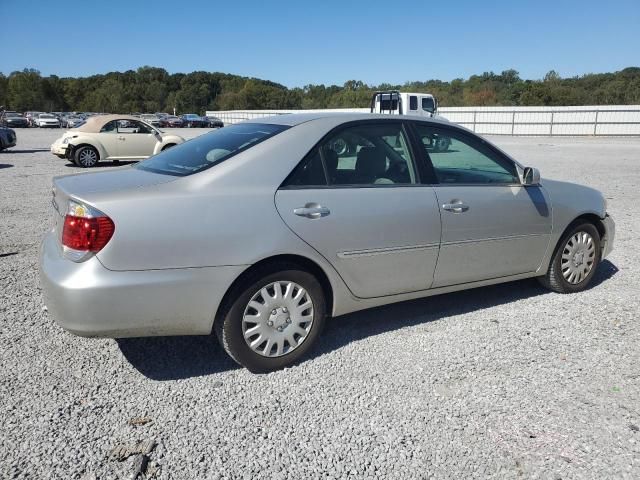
(508, 381)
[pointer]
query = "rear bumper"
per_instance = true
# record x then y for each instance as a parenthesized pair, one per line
(89, 300)
(610, 235)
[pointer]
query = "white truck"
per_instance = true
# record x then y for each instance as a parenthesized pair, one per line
(393, 102)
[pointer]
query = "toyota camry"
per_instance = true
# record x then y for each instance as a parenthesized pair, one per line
(258, 231)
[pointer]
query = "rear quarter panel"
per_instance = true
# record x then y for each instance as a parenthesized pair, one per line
(167, 140)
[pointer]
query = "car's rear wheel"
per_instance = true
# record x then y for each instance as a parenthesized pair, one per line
(575, 260)
(273, 320)
(167, 146)
(86, 157)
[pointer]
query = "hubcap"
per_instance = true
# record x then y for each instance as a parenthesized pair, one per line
(578, 257)
(88, 157)
(277, 319)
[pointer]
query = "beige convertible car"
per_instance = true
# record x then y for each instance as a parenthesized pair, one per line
(112, 137)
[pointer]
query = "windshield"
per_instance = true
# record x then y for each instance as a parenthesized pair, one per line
(47, 115)
(210, 149)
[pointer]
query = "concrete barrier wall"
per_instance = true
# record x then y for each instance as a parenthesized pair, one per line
(614, 120)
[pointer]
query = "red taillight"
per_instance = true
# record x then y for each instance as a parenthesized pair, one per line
(87, 234)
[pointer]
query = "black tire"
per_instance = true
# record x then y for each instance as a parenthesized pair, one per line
(83, 161)
(554, 279)
(228, 324)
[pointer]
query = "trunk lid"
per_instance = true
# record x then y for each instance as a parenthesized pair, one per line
(81, 185)
(125, 178)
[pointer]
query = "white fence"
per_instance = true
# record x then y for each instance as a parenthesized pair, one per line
(618, 120)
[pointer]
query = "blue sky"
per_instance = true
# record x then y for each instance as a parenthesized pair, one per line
(321, 41)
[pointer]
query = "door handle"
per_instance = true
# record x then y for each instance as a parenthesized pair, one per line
(120, 138)
(456, 206)
(312, 210)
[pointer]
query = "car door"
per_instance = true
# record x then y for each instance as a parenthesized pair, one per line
(357, 198)
(492, 225)
(109, 138)
(137, 140)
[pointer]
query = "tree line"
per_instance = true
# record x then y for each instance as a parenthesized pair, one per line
(151, 89)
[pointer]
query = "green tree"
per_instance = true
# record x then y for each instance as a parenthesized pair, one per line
(150, 89)
(3, 90)
(24, 90)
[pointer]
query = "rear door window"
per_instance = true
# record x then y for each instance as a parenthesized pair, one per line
(366, 154)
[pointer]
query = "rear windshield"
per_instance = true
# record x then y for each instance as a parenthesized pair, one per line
(209, 149)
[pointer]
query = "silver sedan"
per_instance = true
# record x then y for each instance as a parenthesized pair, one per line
(260, 230)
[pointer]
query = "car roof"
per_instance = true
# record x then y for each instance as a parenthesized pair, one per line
(293, 119)
(94, 124)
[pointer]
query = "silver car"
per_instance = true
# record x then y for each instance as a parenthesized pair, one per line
(260, 230)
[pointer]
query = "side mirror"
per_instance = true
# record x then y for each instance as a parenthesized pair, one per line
(531, 176)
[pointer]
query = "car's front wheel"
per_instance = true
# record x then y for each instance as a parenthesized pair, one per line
(86, 157)
(575, 260)
(273, 320)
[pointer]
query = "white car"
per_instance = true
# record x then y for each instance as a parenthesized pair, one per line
(112, 137)
(150, 119)
(47, 120)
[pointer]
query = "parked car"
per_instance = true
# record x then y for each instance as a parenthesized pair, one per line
(171, 121)
(8, 138)
(150, 119)
(72, 121)
(7, 135)
(161, 114)
(214, 122)
(112, 137)
(13, 120)
(47, 120)
(191, 120)
(259, 230)
(31, 117)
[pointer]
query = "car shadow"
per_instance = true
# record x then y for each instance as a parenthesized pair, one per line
(174, 358)
(114, 163)
(30, 150)
(356, 326)
(5, 165)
